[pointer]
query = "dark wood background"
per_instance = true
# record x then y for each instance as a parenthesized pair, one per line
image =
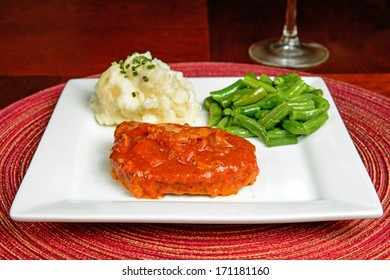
(43, 43)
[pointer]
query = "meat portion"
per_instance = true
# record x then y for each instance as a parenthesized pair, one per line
(155, 160)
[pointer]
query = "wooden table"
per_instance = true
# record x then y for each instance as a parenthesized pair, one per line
(46, 44)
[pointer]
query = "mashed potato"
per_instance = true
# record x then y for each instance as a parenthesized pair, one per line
(145, 89)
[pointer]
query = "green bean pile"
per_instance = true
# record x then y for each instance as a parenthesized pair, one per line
(277, 111)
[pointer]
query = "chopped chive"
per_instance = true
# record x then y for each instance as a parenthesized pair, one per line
(137, 62)
(138, 59)
(134, 94)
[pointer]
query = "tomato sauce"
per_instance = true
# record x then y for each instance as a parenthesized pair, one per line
(155, 160)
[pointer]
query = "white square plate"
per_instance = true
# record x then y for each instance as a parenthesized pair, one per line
(321, 178)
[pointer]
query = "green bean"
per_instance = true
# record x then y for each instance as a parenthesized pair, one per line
(223, 93)
(251, 74)
(295, 89)
(215, 114)
(309, 89)
(270, 101)
(223, 122)
(321, 102)
(253, 126)
(240, 93)
(261, 113)
(279, 133)
(302, 97)
(227, 111)
(228, 100)
(317, 92)
(250, 97)
(266, 79)
(278, 80)
(304, 115)
(288, 140)
(315, 123)
(278, 110)
(239, 131)
(277, 114)
(232, 122)
(290, 77)
(294, 127)
(302, 105)
(279, 137)
(248, 110)
(285, 81)
(255, 83)
(207, 102)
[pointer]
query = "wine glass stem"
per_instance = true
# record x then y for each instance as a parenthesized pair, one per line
(290, 30)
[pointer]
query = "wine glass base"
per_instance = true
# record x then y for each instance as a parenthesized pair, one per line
(273, 52)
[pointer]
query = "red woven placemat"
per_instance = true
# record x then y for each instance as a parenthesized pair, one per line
(366, 115)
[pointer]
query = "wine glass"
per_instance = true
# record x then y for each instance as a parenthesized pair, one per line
(288, 51)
